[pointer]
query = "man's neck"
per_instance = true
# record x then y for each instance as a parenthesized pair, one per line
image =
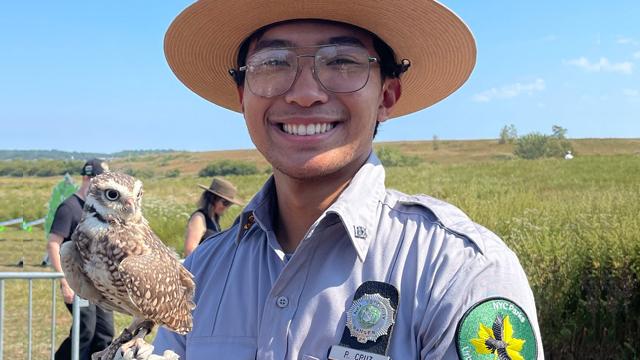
(83, 190)
(302, 201)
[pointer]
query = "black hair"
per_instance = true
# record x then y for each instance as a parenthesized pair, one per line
(207, 201)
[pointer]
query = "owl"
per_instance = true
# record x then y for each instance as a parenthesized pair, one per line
(116, 261)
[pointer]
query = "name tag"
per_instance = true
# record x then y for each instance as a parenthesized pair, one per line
(344, 353)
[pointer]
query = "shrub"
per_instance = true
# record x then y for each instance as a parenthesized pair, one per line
(531, 146)
(172, 173)
(228, 167)
(393, 157)
(139, 173)
(536, 145)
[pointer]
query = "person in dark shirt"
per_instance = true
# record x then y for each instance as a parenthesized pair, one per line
(96, 323)
(205, 221)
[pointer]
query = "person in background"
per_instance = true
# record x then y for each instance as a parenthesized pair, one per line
(205, 221)
(96, 323)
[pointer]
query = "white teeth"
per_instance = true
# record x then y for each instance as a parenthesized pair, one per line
(305, 130)
(311, 129)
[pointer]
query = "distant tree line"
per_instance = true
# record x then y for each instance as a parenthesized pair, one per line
(71, 155)
(20, 168)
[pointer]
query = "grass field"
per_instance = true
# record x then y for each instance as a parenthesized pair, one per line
(574, 225)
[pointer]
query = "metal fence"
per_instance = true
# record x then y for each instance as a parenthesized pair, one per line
(31, 276)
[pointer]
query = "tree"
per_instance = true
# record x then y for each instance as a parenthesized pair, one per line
(436, 144)
(508, 134)
(559, 132)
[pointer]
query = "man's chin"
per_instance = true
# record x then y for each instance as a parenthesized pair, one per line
(308, 170)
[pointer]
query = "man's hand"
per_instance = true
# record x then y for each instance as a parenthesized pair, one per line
(67, 293)
(140, 350)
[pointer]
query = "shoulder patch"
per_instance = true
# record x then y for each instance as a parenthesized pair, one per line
(496, 328)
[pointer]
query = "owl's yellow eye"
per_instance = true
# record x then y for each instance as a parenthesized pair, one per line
(112, 195)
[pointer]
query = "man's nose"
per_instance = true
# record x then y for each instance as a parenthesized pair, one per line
(306, 89)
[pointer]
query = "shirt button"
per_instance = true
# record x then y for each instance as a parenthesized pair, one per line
(282, 302)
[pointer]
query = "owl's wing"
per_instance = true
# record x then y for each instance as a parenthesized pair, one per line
(161, 288)
(71, 262)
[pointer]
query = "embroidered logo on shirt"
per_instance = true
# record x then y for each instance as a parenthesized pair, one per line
(360, 232)
(370, 317)
(497, 327)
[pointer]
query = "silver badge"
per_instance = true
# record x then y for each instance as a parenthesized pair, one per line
(370, 317)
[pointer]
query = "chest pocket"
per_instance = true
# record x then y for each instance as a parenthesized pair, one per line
(221, 347)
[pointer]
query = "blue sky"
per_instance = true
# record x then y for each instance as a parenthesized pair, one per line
(91, 76)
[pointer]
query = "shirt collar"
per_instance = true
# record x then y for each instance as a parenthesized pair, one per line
(356, 207)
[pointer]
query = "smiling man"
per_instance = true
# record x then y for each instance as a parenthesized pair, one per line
(325, 261)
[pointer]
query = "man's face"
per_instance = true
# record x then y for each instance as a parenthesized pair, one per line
(343, 122)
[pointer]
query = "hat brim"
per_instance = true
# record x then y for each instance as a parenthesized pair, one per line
(201, 44)
(233, 200)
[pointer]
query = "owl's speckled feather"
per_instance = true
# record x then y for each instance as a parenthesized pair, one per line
(115, 259)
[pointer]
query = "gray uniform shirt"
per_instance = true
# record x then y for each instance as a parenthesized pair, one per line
(252, 302)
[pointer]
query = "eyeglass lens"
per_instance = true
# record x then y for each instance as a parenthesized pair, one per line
(338, 68)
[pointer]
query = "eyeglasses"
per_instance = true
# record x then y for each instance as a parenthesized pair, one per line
(338, 68)
(226, 203)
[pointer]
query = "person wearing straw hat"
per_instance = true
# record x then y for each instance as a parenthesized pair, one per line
(205, 222)
(325, 261)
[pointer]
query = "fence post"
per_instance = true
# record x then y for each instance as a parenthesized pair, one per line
(75, 329)
(1, 316)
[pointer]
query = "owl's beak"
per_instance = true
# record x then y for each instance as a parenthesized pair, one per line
(129, 203)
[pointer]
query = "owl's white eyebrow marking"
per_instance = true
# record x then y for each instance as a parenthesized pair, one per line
(137, 186)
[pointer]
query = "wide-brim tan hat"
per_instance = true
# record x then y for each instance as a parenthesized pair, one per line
(202, 43)
(223, 189)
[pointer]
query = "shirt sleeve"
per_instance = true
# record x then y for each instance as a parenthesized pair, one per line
(62, 221)
(495, 274)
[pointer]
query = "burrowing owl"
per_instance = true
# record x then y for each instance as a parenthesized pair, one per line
(115, 260)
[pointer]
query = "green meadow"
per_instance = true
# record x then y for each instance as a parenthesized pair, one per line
(575, 226)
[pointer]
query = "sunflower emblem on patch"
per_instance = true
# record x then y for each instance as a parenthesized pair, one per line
(498, 340)
(496, 329)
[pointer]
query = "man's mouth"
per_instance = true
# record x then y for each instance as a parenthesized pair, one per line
(306, 129)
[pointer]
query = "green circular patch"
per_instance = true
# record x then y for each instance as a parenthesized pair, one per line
(496, 328)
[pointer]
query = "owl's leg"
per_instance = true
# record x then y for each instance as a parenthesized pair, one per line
(139, 332)
(138, 329)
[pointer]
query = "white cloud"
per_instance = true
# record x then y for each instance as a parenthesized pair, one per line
(626, 41)
(636, 55)
(603, 65)
(550, 38)
(633, 93)
(509, 91)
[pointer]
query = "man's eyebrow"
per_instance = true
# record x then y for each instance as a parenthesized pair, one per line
(346, 40)
(280, 43)
(275, 43)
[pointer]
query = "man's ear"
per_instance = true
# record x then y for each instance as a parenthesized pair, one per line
(391, 91)
(240, 90)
